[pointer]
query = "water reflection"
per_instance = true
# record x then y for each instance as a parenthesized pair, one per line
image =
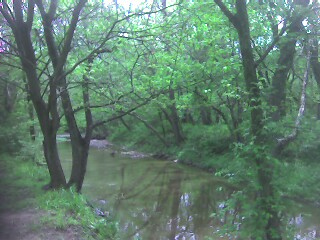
(152, 199)
(163, 200)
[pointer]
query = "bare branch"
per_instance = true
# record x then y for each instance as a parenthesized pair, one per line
(7, 14)
(149, 126)
(121, 114)
(108, 37)
(232, 18)
(11, 65)
(271, 46)
(283, 142)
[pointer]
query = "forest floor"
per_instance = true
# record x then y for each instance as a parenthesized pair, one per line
(19, 216)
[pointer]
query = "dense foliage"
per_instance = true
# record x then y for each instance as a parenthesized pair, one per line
(230, 86)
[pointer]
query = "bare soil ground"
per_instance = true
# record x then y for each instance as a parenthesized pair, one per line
(25, 224)
(20, 219)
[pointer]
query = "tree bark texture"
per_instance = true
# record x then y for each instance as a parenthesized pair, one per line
(79, 144)
(46, 115)
(285, 62)
(240, 21)
(315, 65)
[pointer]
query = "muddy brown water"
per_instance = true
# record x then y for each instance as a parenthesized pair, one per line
(156, 199)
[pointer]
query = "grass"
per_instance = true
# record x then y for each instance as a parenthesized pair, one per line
(19, 178)
(67, 208)
(21, 182)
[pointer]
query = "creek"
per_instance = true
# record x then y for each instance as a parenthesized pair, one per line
(156, 199)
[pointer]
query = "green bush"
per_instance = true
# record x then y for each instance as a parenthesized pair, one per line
(205, 146)
(139, 137)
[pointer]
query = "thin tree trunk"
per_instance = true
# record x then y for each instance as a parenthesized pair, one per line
(32, 130)
(205, 113)
(175, 125)
(149, 126)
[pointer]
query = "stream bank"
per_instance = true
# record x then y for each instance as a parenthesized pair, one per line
(20, 216)
(171, 201)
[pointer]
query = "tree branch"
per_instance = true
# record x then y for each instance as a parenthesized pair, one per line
(149, 126)
(53, 8)
(122, 114)
(66, 47)
(271, 46)
(283, 142)
(107, 37)
(17, 8)
(30, 14)
(232, 18)
(7, 14)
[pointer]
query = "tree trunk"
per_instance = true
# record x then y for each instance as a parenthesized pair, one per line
(32, 130)
(265, 168)
(53, 161)
(47, 116)
(174, 119)
(187, 117)
(80, 152)
(205, 113)
(315, 64)
(284, 64)
(79, 145)
(10, 93)
(240, 21)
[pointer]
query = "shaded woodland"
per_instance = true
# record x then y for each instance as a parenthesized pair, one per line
(228, 86)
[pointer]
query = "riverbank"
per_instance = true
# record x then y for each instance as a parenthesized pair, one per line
(20, 217)
(27, 212)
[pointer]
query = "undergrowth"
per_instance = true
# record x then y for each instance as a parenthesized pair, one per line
(68, 208)
(20, 176)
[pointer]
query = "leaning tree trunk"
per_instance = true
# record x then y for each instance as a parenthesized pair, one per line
(80, 145)
(173, 117)
(284, 64)
(46, 113)
(49, 127)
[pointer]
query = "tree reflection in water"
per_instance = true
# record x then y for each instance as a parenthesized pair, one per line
(176, 204)
(163, 200)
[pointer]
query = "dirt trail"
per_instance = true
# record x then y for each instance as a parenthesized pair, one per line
(25, 224)
(19, 217)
